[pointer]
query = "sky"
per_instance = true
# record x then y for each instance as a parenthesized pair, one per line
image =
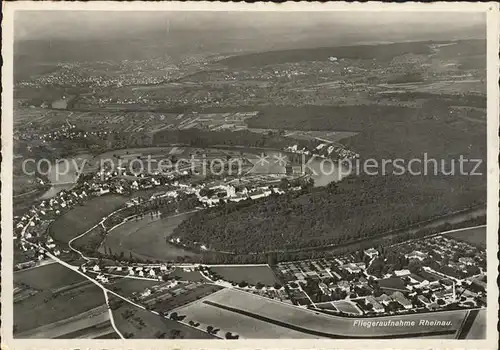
(78, 25)
(65, 36)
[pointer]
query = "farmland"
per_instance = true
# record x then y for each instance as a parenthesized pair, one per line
(47, 307)
(128, 286)
(92, 323)
(227, 321)
(303, 241)
(478, 328)
(475, 236)
(250, 274)
(81, 218)
(47, 277)
(379, 52)
(141, 324)
(180, 296)
(146, 238)
(244, 305)
(187, 275)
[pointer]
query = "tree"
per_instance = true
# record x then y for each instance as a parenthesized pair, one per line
(259, 285)
(174, 333)
(160, 334)
(277, 286)
(210, 329)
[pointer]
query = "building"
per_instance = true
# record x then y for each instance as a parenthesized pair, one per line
(401, 299)
(377, 307)
(424, 300)
(353, 267)
(342, 285)
(324, 288)
(146, 293)
(467, 261)
(384, 299)
(417, 280)
(401, 273)
(416, 254)
(371, 253)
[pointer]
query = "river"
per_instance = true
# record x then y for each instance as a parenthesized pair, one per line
(63, 175)
(326, 171)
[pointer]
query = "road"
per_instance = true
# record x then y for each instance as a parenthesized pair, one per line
(75, 269)
(105, 290)
(100, 223)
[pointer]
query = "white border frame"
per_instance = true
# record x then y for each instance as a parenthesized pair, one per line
(492, 13)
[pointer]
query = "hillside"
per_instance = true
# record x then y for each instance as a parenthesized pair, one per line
(382, 52)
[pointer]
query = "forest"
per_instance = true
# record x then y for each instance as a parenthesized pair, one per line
(363, 205)
(203, 138)
(358, 207)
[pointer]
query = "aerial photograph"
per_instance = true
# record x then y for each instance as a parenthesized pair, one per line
(249, 175)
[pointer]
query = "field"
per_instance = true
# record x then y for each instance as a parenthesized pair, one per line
(45, 307)
(249, 274)
(188, 275)
(474, 236)
(326, 136)
(90, 324)
(146, 238)
(378, 52)
(142, 324)
(81, 218)
(185, 297)
(347, 307)
(327, 306)
(245, 305)
(478, 328)
(227, 321)
(91, 241)
(128, 286)
(47, 277)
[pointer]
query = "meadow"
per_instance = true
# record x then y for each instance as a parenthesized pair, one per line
(88, 324)
(81, 218)
(48, 277)
(475, 236)
(187, 275)
(45, 307)
(146, 238)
